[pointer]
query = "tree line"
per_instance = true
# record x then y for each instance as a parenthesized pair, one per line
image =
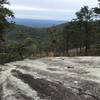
(80, 36)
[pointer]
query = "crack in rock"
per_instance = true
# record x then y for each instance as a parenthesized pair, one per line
(81, 92)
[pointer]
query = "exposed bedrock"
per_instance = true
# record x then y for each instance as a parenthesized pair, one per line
(58, 78)
(53, 90)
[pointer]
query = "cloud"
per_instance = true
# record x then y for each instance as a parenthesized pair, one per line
(54, 4)
(37, 9)
(48, 9)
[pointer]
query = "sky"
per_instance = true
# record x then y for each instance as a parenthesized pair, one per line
(48, 9)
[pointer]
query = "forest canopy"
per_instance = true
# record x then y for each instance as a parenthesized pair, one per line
(78, 37)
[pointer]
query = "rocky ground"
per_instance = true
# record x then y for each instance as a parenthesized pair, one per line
(59, 78)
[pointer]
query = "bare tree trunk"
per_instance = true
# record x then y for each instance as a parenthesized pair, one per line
(86, 39)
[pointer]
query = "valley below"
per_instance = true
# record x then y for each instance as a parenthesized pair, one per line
(51, 78)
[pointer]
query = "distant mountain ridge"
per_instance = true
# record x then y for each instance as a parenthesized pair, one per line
(38, 22)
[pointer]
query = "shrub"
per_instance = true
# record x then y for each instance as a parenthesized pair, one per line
(7, 57)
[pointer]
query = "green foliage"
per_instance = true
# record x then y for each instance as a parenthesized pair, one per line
(4, 13)
(97, 9)
(85, 18)
(8, 57)
(23, 48)
(79, 36)
(85, 14)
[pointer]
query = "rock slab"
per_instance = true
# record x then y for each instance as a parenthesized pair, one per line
(52, 78)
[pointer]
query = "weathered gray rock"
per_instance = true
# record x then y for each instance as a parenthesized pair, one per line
(59, 78)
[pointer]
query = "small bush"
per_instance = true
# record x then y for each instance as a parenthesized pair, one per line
(6, 57)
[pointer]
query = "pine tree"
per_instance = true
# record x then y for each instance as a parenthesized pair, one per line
(85, 17)
(4, 14)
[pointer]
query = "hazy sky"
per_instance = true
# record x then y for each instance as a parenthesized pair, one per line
(48, 9)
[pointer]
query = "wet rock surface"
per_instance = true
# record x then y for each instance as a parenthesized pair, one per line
(59, 78)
